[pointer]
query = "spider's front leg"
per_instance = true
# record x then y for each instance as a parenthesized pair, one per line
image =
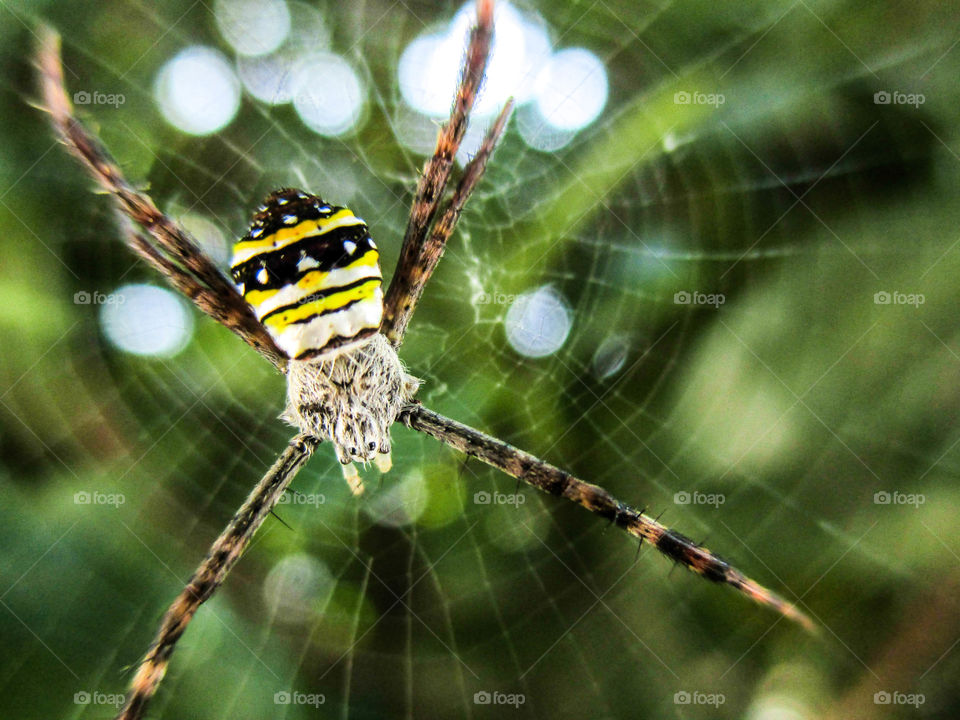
(162, 243)
(311, 272)
(428, 228)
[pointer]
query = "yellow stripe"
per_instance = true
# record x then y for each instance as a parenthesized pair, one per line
(324, 304)
(312, 281)
(246, 249)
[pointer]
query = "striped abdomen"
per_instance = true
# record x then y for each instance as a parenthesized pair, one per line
(311, 272)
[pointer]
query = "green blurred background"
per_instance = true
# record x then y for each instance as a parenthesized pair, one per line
(797, 400)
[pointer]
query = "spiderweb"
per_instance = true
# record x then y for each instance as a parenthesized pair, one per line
(740, 312)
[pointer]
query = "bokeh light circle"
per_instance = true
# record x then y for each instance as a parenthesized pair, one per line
(197, 91)
(328, 94)
(572, 89)
(252, 27)
(145, 320)
(538, 322)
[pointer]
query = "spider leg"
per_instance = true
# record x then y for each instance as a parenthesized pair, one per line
(175, 255)
(553, 480)
(223, 554)
(384, 462)
(216, 305)
(352, 476)
(398, 304)
(410, 282)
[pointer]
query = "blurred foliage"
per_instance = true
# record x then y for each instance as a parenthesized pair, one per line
(798, 399)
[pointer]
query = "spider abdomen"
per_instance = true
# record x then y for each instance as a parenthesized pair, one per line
(311, 272)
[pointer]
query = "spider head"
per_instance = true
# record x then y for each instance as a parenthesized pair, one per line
(311, 272)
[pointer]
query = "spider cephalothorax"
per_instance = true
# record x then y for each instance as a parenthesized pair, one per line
(311, 273)
(352, 398)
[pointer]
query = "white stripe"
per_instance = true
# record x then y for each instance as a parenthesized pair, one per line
(298, 338)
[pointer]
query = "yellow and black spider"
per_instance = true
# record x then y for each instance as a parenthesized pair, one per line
(310, 301)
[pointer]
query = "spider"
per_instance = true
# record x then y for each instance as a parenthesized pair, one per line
(309, 299)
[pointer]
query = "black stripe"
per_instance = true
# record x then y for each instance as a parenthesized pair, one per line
(281, 264)
(335, 343)
(314, 316)
(328, 312)
(326, 292)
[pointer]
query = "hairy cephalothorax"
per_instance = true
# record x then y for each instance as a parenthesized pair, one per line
(351, 399)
